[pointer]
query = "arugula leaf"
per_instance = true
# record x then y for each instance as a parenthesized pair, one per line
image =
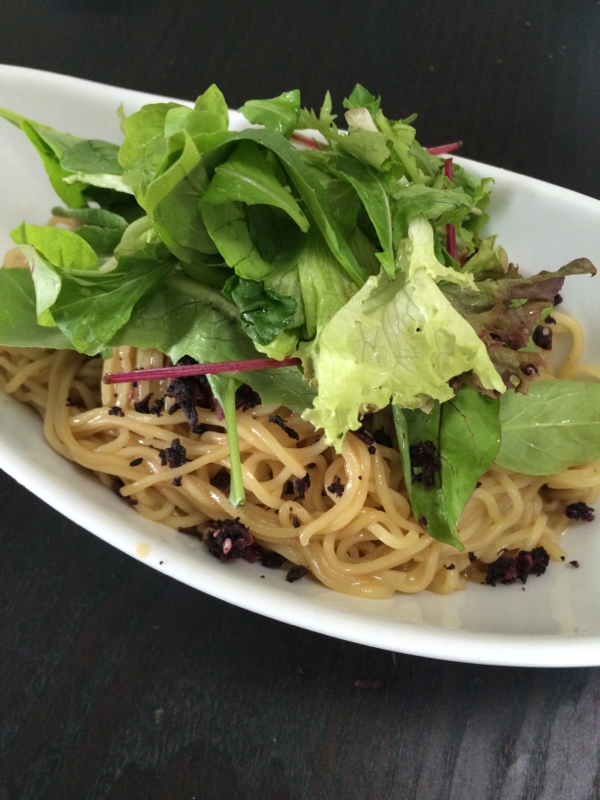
(279, 114)
(263, 312)
(50, 145)
(182, 158)
(465, 432)
(224, 388)
(93, 156)
(313, 195)
(553, 427)
(248, 177)
(144, 148)
(362, 98)
(324, 123)
(373, 189)
(92, 307)
(18, 316)
(62, 248)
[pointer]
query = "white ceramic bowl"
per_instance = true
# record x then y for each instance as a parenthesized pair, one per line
(555, 622)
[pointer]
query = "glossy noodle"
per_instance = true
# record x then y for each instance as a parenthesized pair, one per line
(363, 541)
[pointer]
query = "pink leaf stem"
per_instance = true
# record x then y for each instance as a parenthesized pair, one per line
(450, 229)
(307, 141)
(184, 371)
(440, 149)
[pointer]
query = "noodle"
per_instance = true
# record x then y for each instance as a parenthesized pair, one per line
(364, 542)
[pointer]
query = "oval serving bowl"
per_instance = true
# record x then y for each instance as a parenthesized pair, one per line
(555, 622)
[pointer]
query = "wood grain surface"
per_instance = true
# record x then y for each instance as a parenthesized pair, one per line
(118, 683)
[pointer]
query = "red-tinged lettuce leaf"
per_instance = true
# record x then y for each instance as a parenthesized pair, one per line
(505, 312)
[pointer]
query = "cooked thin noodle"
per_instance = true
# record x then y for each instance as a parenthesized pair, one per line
(365, 542)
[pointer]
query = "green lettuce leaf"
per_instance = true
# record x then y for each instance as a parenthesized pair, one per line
(395, 340)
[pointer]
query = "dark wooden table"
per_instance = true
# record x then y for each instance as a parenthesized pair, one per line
(118, 682)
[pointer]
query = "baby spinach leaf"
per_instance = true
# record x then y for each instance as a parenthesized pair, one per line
(553, 427)
(465, 433)
(279, 114)
(18, 316)
(263, 312)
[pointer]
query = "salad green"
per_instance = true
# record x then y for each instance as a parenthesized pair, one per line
(222, 246)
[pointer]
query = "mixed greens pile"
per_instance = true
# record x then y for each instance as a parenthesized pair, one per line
(226, 246)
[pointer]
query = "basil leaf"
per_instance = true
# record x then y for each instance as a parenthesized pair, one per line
(553, 427)
(466, 434)
(362, 98)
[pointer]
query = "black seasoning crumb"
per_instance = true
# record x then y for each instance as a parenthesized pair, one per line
(229, 538)
(542, 337)
(116, 487)
(557, 299)
(192, 531)
(366, 437)
(423, 521)
(574, 564)
(176, 480)
(508, 570)
(136, 462)
(360, 477)
(295, 573)
(302, 485)
(450, 567)
(134, 386)
(478, 484)
(369, 683)
(199, 429)
(381, 437)
(550, 320)
(336, 487)
(424, 463)
(472, 558)
(580, 511)
(277, 420)
(158, 406)
(246, 398)
(173, 456)
(189, 392)
(143, 405)
(116, 411)
(295, 521)
(562, 558)
(529, 369)
(272, 560)
(174, 409)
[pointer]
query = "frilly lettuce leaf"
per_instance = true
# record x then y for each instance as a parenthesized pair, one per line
(396, 340)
